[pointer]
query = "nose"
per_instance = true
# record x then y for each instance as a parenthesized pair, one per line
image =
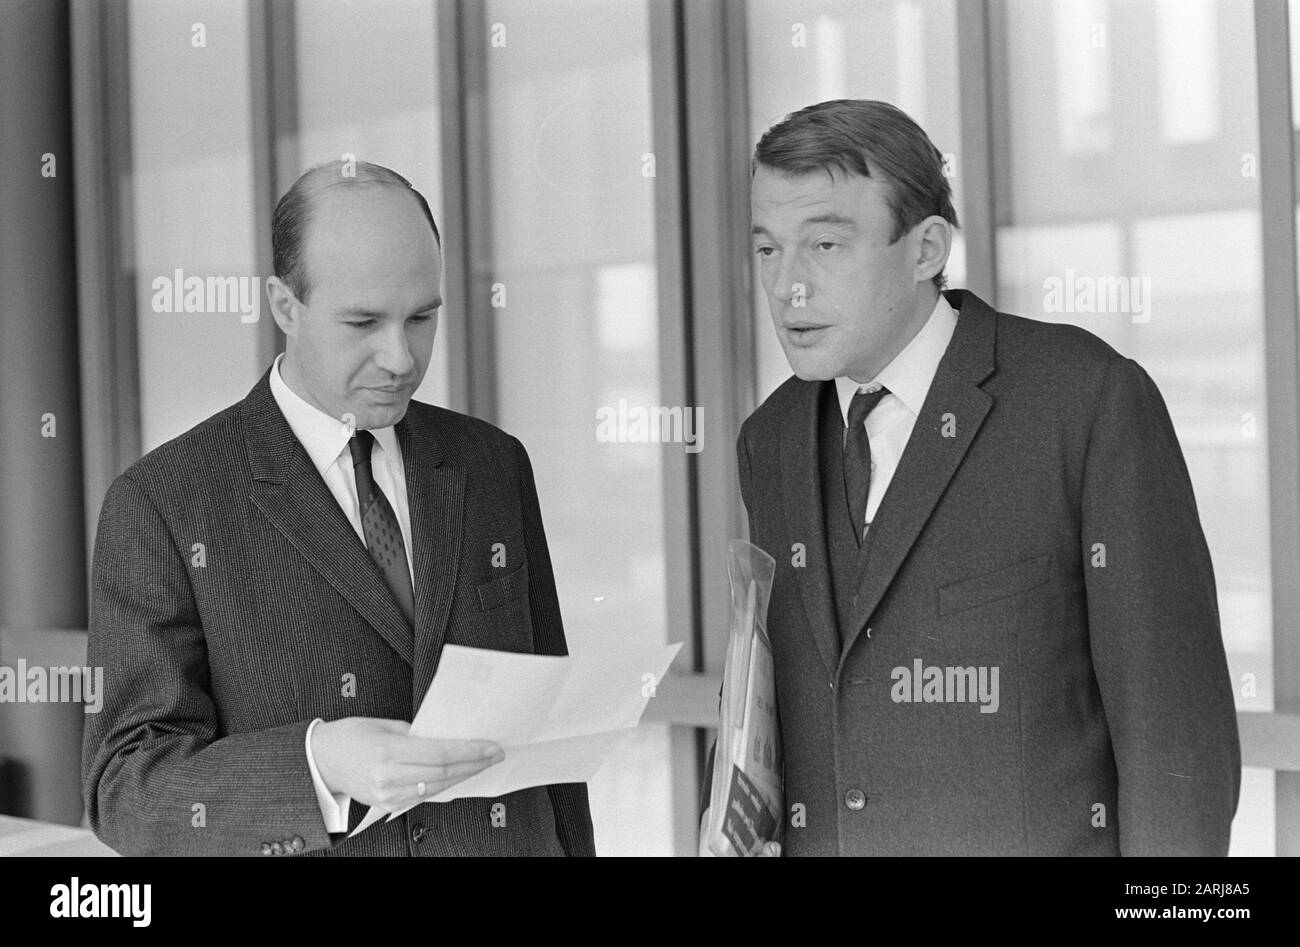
(394, 355)
(791, 282)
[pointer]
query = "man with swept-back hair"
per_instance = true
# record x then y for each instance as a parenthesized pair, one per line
(271, 590)
(993, 618)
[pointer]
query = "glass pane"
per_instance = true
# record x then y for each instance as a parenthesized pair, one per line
(575, 307)
(192, 196)
(368, 86)
(806, 51)
(1254, 830)
(1132, 211)
(1293, 23)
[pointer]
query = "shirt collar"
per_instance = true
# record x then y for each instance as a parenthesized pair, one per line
(322, 436)
(909, 375)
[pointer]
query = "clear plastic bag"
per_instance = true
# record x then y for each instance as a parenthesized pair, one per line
(746, 796)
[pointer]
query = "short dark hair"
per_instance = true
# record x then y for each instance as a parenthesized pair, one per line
(867, 138)
(293, 214)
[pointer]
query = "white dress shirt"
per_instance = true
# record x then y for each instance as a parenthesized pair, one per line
(908, 378)
(325, 439)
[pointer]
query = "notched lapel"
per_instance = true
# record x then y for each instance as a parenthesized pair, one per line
(801, 488)
(291, 494)
(436, 492)
(951, 417)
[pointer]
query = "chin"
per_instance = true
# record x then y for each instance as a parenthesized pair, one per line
(371, 419)
(390, 416)
(810, 369)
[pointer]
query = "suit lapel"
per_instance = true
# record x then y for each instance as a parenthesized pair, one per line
(802, 490)
(954, 410)
(436, 491)
(291, 494)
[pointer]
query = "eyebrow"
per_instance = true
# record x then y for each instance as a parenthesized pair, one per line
(361, 312)
(837, 219)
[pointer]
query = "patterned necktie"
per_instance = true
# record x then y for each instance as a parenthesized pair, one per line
(379, 522)
(857, 459)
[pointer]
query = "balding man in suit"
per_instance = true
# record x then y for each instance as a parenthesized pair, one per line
(273, 588)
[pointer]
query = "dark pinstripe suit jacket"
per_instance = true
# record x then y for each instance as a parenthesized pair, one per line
(232, 602)
(1038, 450)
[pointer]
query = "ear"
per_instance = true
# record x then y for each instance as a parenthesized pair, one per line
(933, 238)
(284, 305)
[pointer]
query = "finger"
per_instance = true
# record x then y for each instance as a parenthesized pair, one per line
(441, 778)
(772, 850)
(421, 751)
(447, 772)
(401, 778)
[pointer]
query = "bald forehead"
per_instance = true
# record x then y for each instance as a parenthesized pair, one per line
(367, 216)
(366, 234)
(370, 199)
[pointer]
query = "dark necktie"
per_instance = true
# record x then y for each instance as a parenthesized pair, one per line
(379, 522)
(857, 459)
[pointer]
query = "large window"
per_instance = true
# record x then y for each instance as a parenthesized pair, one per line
(192, 202)
(1129, 208)
(572, 295)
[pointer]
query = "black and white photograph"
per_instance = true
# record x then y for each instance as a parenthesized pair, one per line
(669, 428)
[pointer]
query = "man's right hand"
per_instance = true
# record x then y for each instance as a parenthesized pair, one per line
(374, 761)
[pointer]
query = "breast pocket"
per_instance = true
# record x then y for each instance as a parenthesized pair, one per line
(503, 605)
(989, 587)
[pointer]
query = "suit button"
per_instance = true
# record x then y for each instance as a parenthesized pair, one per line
(277, 848)
(266, 848)
(855, 799)
(297, 844)
(417, 832)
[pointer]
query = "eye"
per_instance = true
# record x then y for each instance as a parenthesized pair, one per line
(765, 251)
(422, 317)
(363, 324)
(826, 244)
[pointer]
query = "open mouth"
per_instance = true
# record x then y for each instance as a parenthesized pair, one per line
(804, 333)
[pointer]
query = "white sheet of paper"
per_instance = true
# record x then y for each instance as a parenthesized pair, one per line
(557, 719)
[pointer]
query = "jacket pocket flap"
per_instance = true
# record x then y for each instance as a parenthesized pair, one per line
(502, 590)
(991, 586)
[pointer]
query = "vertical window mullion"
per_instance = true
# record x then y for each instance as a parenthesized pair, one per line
(1282, 363)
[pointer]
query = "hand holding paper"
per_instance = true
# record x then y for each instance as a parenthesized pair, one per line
(556, 718)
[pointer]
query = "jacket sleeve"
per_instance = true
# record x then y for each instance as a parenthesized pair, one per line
(158, 776)
(1153, 625)
(569, 800)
